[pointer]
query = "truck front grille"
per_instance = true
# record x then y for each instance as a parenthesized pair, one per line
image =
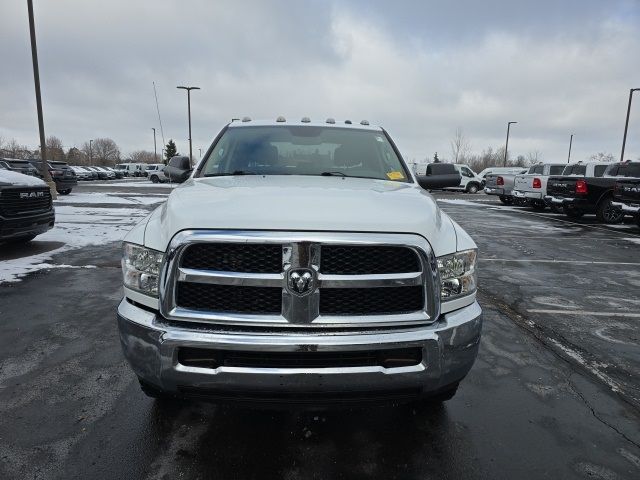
(356, 260)
(299, 280)
(229, 299)
(371, 301)
(22, 201)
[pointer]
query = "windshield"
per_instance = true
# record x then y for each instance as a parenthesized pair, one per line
(304, 150)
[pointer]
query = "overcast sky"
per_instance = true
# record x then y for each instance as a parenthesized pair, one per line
(420, 69)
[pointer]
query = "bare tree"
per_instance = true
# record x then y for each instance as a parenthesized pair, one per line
(104, 151)
(533, 157)
(55, 150)
(143, 156)
(459, 146)
(76, 157)
(14, 150)
(602, 157)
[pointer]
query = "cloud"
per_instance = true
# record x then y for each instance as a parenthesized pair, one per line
(420, 71)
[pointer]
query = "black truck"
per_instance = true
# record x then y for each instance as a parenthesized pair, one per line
(61, 173)
(579, 195)
(626, 192)
(26, 209)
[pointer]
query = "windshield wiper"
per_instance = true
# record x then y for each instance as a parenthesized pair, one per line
(227, 174)
(333, 174)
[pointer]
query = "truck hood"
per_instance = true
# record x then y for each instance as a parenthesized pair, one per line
(8, 177)
(299, 203)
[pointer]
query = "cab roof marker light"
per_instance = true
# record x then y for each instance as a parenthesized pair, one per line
(246, 119)
(305, 120)
(364, 122)
(331, 120)
(348, 122)
(281, 119)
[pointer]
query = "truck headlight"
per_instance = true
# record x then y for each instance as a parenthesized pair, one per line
(457, 274)
(140, 268)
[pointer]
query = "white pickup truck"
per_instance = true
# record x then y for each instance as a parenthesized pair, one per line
(531, 187)
(304, 262)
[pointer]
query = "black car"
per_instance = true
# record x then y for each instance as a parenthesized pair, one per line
(63, 176)
(20, 166)
(26, 209)
(582, 195)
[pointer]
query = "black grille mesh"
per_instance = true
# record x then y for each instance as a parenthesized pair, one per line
(371, 301)
(11, 204)
(362, 260)
(231, 299)
(234, 257)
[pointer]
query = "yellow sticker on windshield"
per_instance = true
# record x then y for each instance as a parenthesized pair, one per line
(395, 176)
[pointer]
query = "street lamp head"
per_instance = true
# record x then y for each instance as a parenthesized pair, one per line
(188, 88)
(510, 123)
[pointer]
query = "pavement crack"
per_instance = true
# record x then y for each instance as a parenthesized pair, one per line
(577, 392)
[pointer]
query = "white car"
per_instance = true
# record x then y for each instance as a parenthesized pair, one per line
(301, 260)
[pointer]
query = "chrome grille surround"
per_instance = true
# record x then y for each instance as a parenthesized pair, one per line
(300, 250)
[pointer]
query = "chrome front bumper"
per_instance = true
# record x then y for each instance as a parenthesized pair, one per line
(625, 207)
(151, 345)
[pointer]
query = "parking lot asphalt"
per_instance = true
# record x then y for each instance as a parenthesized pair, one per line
(553, 394)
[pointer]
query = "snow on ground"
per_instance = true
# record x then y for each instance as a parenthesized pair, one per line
(75, 227)
(115, 198)
(132, 184)
(457, 201)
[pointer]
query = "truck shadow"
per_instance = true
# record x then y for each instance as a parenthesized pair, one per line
(399, 441)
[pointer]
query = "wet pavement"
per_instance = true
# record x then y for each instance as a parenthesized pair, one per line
(552, 395)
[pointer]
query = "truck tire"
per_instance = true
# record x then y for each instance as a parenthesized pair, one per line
(155, 179)
(608, 214)
(538, 205)
(64, 192)
(572, 212)
(473, 188)
(555, 208)
(506, 200)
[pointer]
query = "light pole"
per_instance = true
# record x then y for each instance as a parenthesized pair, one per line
(90, 152)
(36, 80)
(155, 150)
(188, 89)
(570, 143)
(506, 145)
(626, 124)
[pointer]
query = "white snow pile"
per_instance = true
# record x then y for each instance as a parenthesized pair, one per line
(106, 198)
(75, 227)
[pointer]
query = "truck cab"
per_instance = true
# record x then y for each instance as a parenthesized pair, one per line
(302, 262)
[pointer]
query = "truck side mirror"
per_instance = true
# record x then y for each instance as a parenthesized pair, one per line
(439, 175)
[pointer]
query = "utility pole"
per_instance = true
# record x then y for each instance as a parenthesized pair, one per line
(90, 152)
(626, 123)
(570, 142)
(155, 150)
(36, 80)
(188, 89)
(506, 145)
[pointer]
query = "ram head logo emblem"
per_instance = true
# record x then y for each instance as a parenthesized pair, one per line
(300, 281)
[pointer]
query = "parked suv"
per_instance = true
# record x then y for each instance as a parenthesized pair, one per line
(591, 194)
(20, 166)
(301, 262)
(63, 176)
(26, 209)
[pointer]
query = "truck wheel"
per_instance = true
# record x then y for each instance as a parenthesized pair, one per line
(572, 212)
(64, 192)
(555, 208)
(155, 179)
(472, 188)
(606, 213)
(506, 200)
(538, 205)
